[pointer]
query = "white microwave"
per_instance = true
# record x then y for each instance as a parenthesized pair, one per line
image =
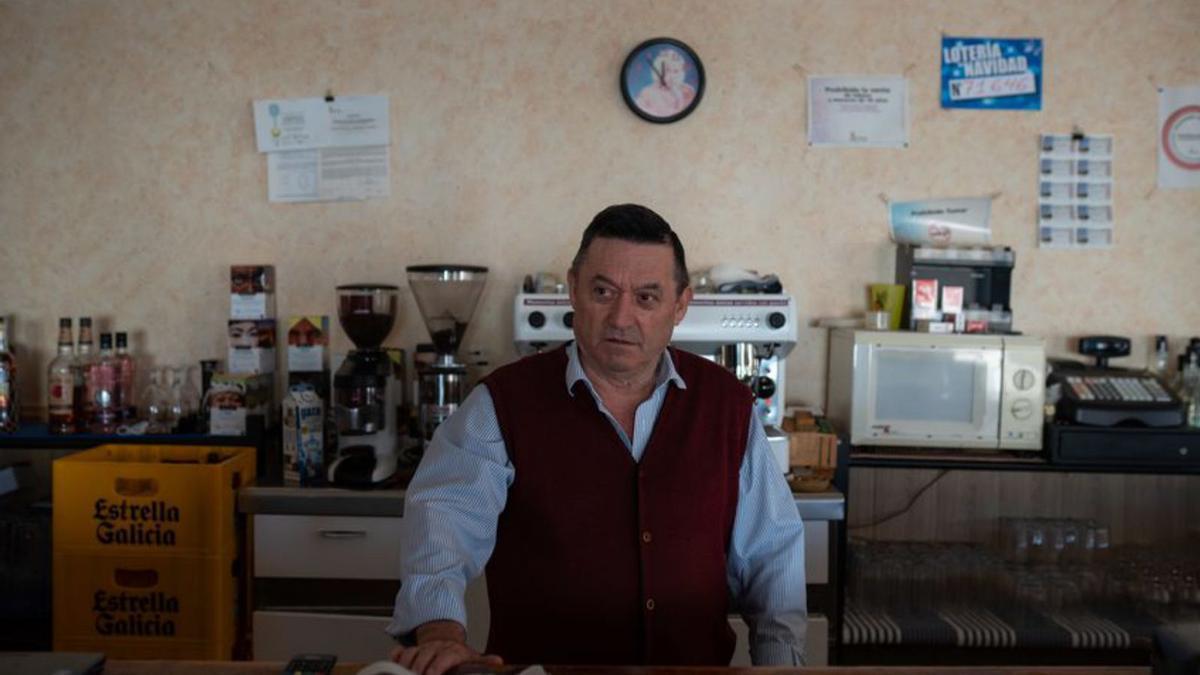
(937, 390)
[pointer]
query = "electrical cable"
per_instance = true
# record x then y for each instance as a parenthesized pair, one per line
(904, 509)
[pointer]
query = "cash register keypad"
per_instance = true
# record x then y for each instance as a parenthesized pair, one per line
(1137, 389)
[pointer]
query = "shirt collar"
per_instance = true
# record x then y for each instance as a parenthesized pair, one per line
(665, 373)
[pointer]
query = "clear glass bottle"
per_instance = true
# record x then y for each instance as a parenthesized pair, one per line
(60, 380)
(126, 367)
(102, 387)
(83, 364)
(9, 405)
(1189, 389)
(1193, 396)
(1159, 356)
(154, 401)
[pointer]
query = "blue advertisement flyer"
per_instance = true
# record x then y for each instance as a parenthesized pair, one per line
(992, 73)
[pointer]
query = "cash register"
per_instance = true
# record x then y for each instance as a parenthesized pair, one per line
(1104, 396)
(1115, 416)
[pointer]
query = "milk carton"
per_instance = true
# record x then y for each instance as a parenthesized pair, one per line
(303, 437)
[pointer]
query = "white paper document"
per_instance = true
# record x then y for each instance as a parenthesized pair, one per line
(329, 174)
(308, 123)
(858, 111)
(319, 150)
(1179, 137)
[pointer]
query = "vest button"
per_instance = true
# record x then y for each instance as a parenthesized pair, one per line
(650, 604)
(646, 537)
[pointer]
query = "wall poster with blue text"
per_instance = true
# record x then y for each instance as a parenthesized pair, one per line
(992, 73)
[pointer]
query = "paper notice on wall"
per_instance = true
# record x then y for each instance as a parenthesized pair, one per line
(860, 111)
(329, 174)
(942, 222)
(325, 150)
(1179, 137)
(308, 123)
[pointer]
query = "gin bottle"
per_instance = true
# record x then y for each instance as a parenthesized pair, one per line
(102, 389)
(126, 399)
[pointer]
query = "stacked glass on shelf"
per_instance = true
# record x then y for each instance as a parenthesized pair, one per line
(1039, 565)
(171, 400)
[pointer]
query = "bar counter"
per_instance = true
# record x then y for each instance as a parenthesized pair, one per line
(275, 668)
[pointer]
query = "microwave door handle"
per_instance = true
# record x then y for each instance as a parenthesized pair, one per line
(993, 380)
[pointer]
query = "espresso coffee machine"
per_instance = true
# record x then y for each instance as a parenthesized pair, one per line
(365, 389)
(749, 334)
(446, 296)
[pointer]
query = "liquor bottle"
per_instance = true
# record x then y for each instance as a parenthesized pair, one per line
(102, 389)
(126, 398)
(61, 383)
(9, 406)
(83, 365)
(1159, 356)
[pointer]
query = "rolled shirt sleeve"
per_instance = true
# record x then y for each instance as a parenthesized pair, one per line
(451, 509)
(766, 558)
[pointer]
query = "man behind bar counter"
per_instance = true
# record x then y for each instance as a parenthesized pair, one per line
(621, 493)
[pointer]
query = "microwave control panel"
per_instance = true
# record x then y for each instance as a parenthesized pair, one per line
(1022, 395)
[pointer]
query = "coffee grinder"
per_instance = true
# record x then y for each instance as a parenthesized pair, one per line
(446, 296)
(365, 389)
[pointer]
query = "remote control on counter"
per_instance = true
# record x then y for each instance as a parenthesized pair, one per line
(310, 664)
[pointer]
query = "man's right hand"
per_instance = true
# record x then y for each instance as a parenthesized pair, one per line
(441, 645)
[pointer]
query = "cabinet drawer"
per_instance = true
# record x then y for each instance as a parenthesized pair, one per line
(326, 547)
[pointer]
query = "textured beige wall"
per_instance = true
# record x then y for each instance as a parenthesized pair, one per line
(129, 180)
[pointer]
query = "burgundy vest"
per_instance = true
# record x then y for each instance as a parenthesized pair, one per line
(603, 560)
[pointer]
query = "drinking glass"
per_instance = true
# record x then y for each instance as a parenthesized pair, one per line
(155, 399)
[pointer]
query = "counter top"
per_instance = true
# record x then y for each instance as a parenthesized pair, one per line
(331, 501)
(269, 668)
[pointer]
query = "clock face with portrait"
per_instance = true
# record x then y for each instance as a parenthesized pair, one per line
(662, 80)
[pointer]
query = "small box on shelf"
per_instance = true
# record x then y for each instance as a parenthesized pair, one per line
(251, 292)
(812, 451)
(251, 346)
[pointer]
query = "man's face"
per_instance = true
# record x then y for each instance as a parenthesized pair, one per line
(626, 305)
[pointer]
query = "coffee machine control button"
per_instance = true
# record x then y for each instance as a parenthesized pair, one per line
(763, 387)
(776, 319)
(569, 319)
(537, 319)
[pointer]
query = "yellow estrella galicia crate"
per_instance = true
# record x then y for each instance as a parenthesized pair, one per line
(149, 499)
(147, 607)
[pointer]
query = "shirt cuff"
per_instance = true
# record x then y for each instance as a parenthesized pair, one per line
(423, 600)
(772, 653)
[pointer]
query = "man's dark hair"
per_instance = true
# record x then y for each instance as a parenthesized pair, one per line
(637, 224)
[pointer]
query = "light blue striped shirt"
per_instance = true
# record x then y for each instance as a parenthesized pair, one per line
(454, 501)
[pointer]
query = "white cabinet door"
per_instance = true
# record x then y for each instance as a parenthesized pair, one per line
(278, 636)
(816, 551)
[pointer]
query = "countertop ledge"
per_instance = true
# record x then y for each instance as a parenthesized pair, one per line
(332, 501)
(273, 668)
